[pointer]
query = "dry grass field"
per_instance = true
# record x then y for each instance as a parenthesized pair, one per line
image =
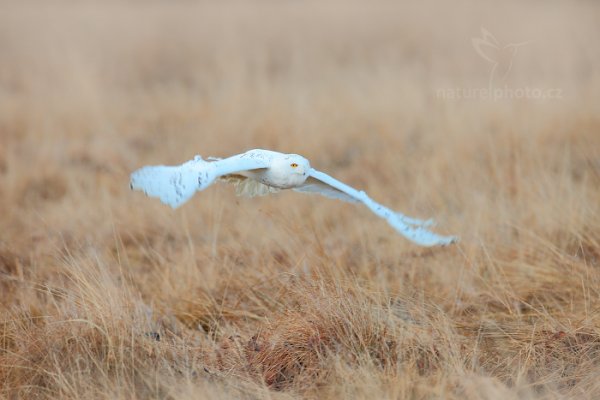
(107, 294)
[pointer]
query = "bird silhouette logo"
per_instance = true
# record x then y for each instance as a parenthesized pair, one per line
(500, 56)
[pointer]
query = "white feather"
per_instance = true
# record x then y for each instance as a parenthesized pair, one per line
(247, 187)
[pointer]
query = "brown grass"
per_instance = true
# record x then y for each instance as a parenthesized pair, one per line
(107, 294)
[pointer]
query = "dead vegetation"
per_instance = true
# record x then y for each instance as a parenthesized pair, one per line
(107, 294)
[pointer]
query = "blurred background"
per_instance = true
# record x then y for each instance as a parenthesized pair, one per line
(90, 91)
(483, 115)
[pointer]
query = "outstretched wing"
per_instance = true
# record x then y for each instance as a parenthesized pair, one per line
(412, 229)
(174, 185)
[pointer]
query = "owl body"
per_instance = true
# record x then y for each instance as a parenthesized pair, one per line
(260, 172)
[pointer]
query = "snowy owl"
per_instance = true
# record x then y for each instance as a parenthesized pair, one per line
(260, 172)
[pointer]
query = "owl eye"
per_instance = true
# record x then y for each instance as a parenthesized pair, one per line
(294, 165)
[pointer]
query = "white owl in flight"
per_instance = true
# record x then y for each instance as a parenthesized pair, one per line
(260, 172)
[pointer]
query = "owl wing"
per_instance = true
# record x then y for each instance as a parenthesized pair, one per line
(411, 228)
(174, 185)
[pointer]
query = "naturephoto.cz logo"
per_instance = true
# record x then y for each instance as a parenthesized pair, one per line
(500, 59)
